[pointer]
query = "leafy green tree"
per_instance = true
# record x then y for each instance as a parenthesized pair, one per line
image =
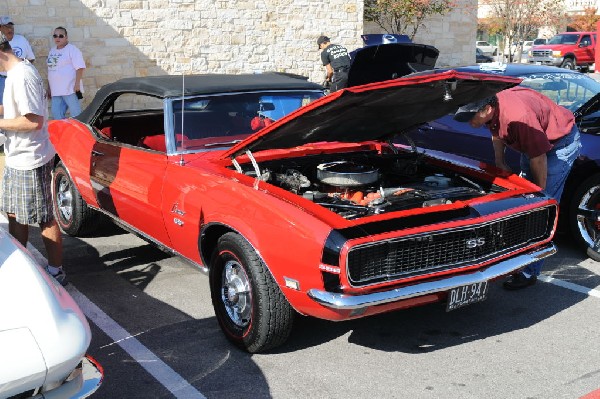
(404, 16)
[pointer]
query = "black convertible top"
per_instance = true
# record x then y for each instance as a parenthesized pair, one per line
(177, 86)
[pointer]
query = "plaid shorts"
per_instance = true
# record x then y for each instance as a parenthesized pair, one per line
(28, 194)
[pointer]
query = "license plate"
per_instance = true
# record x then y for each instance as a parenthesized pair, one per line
(467, 295)
(538, 63)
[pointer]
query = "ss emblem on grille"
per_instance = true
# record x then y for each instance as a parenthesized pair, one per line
(475, 242)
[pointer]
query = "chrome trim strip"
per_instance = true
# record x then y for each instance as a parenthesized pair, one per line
(138, 233)
(344, 301)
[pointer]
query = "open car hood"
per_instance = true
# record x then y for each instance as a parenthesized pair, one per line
(375, 111)
(376, 63)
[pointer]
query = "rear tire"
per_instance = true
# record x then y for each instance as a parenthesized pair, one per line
(249, 305)
(70, 210)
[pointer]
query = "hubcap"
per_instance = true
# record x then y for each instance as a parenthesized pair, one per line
(235, 294)
(64, 199)
(588, 215)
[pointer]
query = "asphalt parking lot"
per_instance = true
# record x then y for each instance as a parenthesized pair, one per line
(156, 336)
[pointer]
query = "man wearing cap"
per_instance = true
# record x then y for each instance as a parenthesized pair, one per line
(19, 44)
(336, 61)
(29, 157)
(543, 132)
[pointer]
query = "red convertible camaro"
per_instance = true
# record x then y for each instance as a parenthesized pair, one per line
(297, 203)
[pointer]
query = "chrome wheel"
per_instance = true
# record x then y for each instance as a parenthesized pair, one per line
(236, 294)
(64, 198)
(73, 215)
(588, 214)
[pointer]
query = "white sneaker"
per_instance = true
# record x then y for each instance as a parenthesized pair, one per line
(60, 276)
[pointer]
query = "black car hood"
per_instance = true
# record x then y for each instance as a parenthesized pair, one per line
(587, 116)
(389, 61)
(375, 111)
(592, 105)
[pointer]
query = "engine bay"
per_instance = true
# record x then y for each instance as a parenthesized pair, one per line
(361, 184)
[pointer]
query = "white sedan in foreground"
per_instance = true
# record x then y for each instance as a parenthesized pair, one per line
(43, 333)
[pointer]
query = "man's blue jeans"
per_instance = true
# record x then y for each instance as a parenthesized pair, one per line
(61, 103)
(2, 84)
(559, 160)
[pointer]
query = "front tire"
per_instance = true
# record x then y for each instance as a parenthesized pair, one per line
(249, 305)
(568, 63)
(583, 210)
(72, 213)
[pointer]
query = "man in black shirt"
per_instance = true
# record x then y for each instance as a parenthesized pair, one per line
(337, 62)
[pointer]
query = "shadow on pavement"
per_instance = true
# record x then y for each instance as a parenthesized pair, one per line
(196, 349)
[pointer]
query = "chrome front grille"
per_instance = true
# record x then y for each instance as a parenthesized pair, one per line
(440, 250)
(541, 53)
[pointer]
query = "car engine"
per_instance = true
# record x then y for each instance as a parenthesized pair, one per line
(368, 184)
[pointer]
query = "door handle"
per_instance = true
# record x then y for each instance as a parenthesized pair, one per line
(97, 153)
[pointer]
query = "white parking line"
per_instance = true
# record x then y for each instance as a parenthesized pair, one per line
(570, 286)
(164, 374)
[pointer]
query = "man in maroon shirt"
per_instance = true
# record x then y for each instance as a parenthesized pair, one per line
(543, 132)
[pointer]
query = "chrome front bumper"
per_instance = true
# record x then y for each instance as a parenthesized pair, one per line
(502, 268)
(82, 382)
(546, 60)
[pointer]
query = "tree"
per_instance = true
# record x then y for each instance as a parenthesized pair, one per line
(519, 20)
(586, 22)
(404, 16)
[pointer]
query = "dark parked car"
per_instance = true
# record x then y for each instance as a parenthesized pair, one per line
(573, 90)
(386, 57)
(481, 57)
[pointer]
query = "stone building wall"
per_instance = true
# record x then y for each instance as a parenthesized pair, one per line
(454, 34)
(122, 38)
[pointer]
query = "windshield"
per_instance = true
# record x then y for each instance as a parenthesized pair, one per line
(210, 122)
(564, 39)
(571, 90)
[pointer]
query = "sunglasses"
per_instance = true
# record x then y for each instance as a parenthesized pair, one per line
(60, 36)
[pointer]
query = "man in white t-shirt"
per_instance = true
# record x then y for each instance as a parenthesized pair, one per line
(65, 70)
(19, 44)
(29, 157)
